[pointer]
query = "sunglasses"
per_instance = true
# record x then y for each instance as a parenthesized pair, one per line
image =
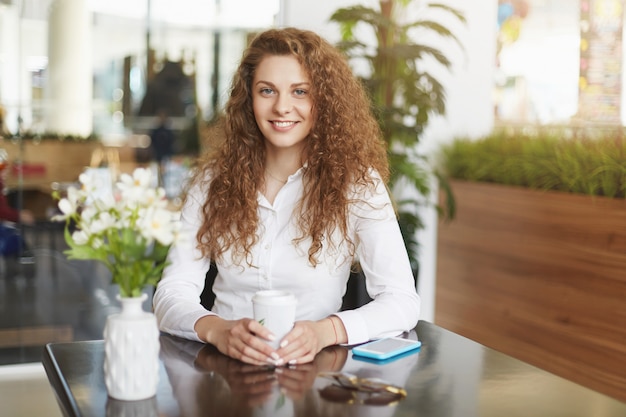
(350, 389)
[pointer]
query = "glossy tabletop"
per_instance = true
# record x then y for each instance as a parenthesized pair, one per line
(450, 376)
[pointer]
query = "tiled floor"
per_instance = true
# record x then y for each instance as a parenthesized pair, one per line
(25, 392)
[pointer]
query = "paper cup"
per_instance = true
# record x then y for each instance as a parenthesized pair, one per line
(275, 310)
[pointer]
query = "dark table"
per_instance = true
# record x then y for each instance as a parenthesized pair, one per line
(450, 376)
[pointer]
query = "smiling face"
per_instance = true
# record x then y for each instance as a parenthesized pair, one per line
(281, 101)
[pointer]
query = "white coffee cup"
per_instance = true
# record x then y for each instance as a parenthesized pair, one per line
(275, 310)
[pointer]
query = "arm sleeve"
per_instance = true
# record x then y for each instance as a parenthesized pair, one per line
(395, 304)
(176, 300)
(6, 211)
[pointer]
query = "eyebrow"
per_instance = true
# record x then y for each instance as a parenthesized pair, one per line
(300, 84)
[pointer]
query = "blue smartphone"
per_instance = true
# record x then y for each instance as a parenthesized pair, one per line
(385, 361)
(386, 348)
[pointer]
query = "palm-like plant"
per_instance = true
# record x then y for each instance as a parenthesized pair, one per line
(404, 93)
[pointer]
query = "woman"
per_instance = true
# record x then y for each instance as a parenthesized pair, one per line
(291, 197)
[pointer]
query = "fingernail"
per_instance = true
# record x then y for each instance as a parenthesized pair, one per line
(284, 343)
(275, 356)
(271, 337)
(279, 362)
(293, 362)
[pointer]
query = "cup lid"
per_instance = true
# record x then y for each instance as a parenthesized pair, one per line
(273, 297)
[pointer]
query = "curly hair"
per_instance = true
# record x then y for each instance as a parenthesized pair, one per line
(344, 145)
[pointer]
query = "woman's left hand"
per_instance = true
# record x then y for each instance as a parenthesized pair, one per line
(306, 339)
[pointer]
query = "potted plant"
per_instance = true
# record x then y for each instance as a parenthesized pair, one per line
(129, 229)
(532, 264)
(403, 91)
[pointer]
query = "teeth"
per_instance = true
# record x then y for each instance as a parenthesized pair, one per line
(283, 124)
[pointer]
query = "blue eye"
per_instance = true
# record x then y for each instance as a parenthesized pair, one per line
(266, 91)
(300, 92)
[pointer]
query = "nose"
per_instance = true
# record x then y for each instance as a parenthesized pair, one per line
(282, 104)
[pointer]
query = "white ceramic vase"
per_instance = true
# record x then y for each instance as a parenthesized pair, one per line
(131, 352)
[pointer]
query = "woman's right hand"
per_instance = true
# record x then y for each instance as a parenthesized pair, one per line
(240, 339)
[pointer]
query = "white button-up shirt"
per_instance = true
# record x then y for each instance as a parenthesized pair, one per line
(278, 263)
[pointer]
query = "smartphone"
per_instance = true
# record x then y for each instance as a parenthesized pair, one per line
(385, 361)
(386, 348)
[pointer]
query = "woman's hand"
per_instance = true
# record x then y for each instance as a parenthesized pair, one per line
(240, 339)
(307, 338)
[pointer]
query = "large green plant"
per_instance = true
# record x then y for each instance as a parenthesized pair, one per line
(404, 92)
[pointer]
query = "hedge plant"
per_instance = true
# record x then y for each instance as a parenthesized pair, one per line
(558, 160)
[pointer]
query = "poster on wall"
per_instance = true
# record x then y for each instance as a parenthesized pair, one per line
(600, 61)
(537, 62)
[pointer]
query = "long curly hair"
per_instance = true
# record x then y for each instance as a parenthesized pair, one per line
(344, 145)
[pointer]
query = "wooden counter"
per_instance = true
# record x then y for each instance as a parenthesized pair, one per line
(540, 276)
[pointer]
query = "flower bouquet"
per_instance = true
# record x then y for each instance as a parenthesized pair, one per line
(129, 229)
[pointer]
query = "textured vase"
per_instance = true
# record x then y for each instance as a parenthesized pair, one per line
(131, 352)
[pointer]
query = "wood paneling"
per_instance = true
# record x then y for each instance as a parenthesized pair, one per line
(540, 276)
(35, 336)
(51, 160)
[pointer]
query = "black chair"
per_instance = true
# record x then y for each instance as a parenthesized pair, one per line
(356, 294)
(207, 298)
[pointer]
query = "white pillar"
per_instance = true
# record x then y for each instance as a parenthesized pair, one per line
(10, 63)
(70, 70)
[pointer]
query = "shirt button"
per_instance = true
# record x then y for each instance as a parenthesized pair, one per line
(268, 246)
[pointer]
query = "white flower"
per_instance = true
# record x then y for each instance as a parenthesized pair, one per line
(136, 187)
(157, 224)
(103, 222)
(93, 182)
(154, 198)
(80, 237)
(105, 202)
(69, 205)
(87, 215)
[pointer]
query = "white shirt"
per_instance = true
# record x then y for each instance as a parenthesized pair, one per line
(279, 264)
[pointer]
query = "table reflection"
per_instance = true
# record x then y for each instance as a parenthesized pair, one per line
(140, 408)
(206, 383)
